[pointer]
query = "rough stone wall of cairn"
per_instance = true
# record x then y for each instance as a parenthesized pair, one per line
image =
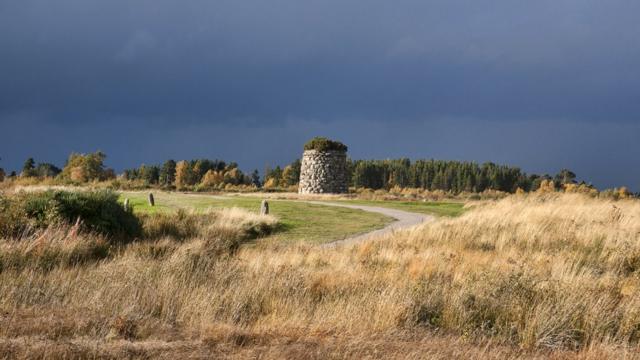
(323, 172)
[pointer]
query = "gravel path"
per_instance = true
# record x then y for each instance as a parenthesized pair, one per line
(404, 219)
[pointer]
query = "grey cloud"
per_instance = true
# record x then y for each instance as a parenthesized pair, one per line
(81, 65)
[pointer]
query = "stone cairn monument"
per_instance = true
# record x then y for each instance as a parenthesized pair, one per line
(324, 167)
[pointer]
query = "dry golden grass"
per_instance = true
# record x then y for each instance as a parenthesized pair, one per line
(56, 246)
(526, 277)
(187, 224)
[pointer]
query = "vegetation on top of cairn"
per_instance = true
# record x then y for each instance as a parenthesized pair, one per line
(324, 144)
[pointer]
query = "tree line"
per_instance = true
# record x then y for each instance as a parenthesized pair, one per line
(79, 168)
(188, 173)
(83, 168)
(449, 176)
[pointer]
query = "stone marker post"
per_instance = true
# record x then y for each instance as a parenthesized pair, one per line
(151, 200)
(264, 208)
(126, 204)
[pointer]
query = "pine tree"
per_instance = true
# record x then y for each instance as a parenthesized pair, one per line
(168, 172)
(255, 178)
(28, 167)
(46, 170)
(150, 174)
(565, 176)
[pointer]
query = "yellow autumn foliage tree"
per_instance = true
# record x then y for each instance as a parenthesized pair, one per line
(546, 186)
(212, 178)
(184, 175)
(86, 167)
(270, 183)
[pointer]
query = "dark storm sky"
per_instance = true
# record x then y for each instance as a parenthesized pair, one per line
(540, 84)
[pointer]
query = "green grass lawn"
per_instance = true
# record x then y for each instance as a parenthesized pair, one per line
(429, 207)
(299, 220)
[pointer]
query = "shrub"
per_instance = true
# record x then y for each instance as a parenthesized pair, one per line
(98, 211)
(324, 144)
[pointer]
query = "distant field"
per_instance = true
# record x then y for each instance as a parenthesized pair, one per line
(299, 220)
(431, 208)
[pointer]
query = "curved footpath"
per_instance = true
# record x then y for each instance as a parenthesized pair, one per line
(404, 219)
